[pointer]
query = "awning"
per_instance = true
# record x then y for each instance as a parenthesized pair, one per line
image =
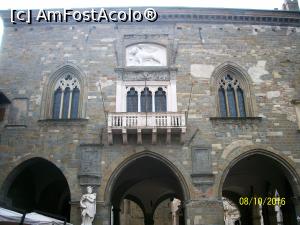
(36, 219)
(9, 215)
(32, 218)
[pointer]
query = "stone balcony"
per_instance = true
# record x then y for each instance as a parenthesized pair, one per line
(149, 123)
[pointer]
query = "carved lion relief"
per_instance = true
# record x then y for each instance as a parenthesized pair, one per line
(146, 55)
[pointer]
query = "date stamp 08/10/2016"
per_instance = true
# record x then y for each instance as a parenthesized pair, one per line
(262, 201)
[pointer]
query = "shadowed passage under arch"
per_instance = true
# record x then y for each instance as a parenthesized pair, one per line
(37, 185)
(147, 181)
(261, 176)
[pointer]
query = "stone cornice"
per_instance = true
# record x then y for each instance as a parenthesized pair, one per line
(197, 15)
(295, 101)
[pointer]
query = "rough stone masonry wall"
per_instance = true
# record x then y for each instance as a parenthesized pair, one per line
(270, 55)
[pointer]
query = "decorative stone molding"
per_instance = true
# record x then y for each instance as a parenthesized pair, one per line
(206, 203)
(63, 122)
(146, 54)
(60, 79)
(296, 102)
(124, 86)
(237, 16)
(146, 51)
(18, 112)
(238, 121)
(202, 175)
(244, 82)
(67, 81)
(143, 75)
(146, 60)
(197, 15)
(90, 169)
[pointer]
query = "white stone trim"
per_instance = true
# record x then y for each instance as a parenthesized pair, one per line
(52, 82)
(297, 108)
(124, 86)
(63, 83)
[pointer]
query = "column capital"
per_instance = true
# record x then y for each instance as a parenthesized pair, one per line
(116, 209)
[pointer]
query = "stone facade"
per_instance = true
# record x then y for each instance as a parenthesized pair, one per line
(267, 50)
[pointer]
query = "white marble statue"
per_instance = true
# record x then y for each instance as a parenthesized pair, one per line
(88, 206)
(175, 204)
(146, 55)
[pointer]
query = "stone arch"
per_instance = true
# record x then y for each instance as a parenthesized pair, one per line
(136, 201)
(129, 160)
(49, 190)
(161, 199)
(244, 80)
(47, 97)
(131, 212)
(287, 165)
(256, 171)
(147, 176)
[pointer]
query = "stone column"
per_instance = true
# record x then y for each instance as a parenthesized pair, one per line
(139, 136)
(154, 136)
(168, 139)
(139, 101)
(246, 217)
(148, 220)
(75, 213)
(291, 210)
(103, 214)
(272, 215)
(153, 100)
(255, 214)
(116, 214)
(296, 202)
(265, 213)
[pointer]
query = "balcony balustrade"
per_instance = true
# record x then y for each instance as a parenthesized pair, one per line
(139, 121)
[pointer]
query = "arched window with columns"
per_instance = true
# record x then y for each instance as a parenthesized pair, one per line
(160, 100)
(64, 94)
(66, 97)
(132, 96)
(231, 86)
(146, 100)
(132, 100)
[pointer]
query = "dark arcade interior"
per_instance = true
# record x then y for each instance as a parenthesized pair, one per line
(38, 185)
(260, 176)
(148, 182)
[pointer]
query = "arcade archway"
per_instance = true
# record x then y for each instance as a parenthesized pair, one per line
(148, 180)
(253, 182)
(37, 185)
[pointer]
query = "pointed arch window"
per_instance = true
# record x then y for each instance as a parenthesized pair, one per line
(241, 102)
(146, 100)
(231, 97)
(75, 103)
(57, 103)
(132, 100)
(160, 100)
(66, 98)
(222, 99)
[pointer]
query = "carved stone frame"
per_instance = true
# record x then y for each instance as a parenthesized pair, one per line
(47, 97)
(296, 103)
(145, 73)
(244, 80)
(202, 179)
(157, 39)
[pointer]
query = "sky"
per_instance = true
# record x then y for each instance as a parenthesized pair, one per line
(38, 4)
